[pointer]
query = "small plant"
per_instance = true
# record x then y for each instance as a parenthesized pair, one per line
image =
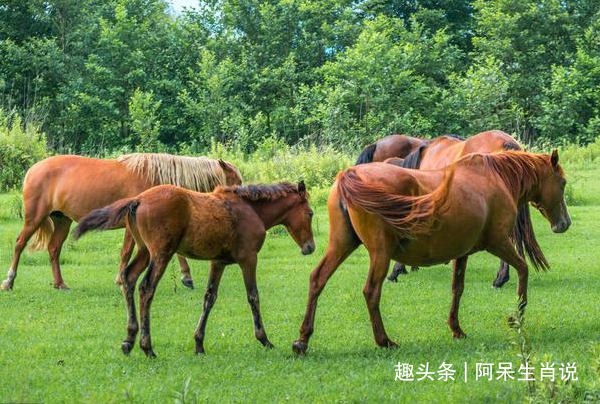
(16, 204)
(184, 396)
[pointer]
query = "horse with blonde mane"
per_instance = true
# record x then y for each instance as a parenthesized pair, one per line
(442, 151)
(407, 215)
(63, 189)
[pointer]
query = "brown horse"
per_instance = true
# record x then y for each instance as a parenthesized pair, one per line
(407, 215)
(227, 226)
(63, 189)
(442, 151)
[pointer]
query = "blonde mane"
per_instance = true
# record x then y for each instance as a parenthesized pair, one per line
(200, 174)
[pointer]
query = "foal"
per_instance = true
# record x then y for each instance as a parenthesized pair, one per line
(225, 227)
(407, 215)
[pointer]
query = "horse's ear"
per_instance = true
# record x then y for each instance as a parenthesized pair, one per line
(554, 158)
(222, 163)
(301, 187)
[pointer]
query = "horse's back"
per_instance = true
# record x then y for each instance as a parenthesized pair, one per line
(490, 141)
(396, 146)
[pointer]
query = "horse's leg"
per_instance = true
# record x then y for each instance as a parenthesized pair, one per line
(372, 292)
(156, 269)
(61, 231)
(248, 265)
(210, 297)
(399, 269)
(507, 252)
(458, 283)
(129, 278)
(126, 252)
(186, 276)
(336, 253)
(502, 276)
(32, 223)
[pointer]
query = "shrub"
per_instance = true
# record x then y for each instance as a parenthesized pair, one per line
(21, 145)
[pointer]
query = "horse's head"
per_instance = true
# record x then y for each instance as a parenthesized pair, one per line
(298, 221)
(232, 174)
(551, 199)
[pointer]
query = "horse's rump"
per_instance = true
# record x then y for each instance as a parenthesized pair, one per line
(200, 174)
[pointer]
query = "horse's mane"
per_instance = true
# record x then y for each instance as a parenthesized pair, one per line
(409, 215)
(519, 170)
(261, 192)
(200, 174)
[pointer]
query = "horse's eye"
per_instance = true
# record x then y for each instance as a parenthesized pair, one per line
(311, 213)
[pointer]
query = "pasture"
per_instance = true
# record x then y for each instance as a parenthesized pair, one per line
(58, 346)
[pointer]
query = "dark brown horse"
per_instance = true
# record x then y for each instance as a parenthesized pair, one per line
(442, 151)
(227, 226)
(407, 215)
(63, 189)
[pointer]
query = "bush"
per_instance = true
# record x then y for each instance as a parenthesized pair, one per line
(21, 145)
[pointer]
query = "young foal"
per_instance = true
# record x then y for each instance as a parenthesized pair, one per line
(407, 215)
(226, 226)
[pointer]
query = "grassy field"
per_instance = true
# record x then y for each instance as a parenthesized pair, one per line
(60, 346)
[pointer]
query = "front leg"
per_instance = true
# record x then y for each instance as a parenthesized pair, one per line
(459, 267)
(210, 297)
(507, 252)
(249, 272)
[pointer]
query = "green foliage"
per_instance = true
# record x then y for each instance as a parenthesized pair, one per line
(21, 145)
(144, 121)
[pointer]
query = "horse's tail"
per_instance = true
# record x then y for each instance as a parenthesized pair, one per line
(413, 160)
(107, 218)
(41, 238)
(525, 240)
(408, 214)
(366, 156)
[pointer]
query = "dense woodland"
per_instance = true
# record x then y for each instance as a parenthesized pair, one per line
(106, 75)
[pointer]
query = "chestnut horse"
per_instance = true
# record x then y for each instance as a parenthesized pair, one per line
(442, 151)
(226, 226)
(407, 215)
(63, 189)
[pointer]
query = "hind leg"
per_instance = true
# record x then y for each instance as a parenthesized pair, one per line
(186, 276)
(502, 276)
(156, 269)
(380, 262)
(61, 231)
(459, 267)
(129, 278)
(210, 297)
(399, 269)
(126, 252)
(32, 223)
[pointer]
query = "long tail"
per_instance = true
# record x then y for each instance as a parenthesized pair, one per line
(408, 214)
(41, 237)
(525, 240)
(413, 160)
(366, 156)
(107, 218)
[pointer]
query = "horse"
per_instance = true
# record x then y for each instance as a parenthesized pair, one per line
(226, 226)
(62, 189)
(442, 151)
(407, 215)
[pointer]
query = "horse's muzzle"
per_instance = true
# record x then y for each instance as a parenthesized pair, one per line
(561, 226)
(308, 247)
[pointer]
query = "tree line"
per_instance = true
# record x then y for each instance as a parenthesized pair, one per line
(105, 75)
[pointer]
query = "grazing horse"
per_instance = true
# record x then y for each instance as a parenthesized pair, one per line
(226, 226)
(442, 151)
(407, 215)
(63, 189)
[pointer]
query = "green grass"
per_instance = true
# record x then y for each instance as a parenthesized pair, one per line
(65, 346)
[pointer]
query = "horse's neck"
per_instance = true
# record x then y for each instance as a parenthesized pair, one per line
(271, 213)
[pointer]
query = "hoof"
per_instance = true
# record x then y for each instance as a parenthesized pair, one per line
(389, 344)
(61, 286)
(149, 353)
(6, 285)
(459, 335)
(126, 347)
(199, 351)
(392, 278)
(267, 344)
(512, 322)
(188, 282)
(299, 348)
(498, 283)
